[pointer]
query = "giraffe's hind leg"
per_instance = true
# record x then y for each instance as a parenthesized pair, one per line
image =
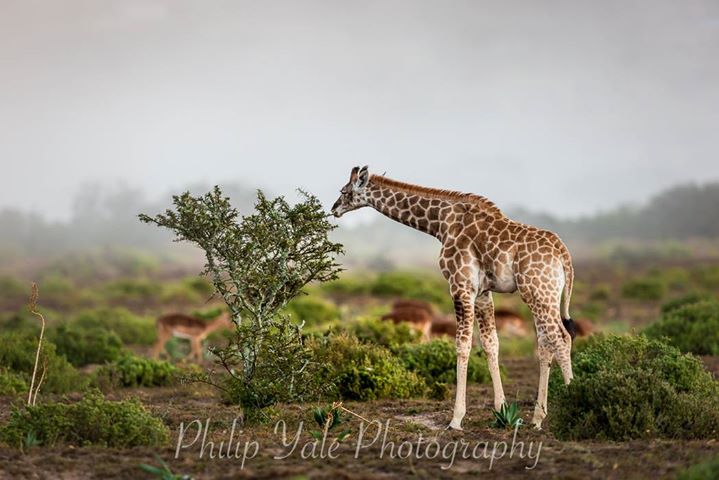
(553, 342)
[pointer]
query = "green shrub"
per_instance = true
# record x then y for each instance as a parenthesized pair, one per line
(675, 278)
(283, 368)
(591, 310)
(436, 363)
(361, 371)
(91, 421)
(705, 470)
(14, 292)
(17, 355)
(134, 371)
(413, 285)
(628, 387)
(132, 329)
(312, 310)
(60, 292)
(191, 290)
(380, 332)
(258, 263)
(348, 285)
(209, 314)
(648, 288)
(691, 328)
(133, 291)
(11, 383)
(516, 346)
(600, 293)
(199, 285)
(20, 321)
(687, 299)
(708, 277)
(83, 346)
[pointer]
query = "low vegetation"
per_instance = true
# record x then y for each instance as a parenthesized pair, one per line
(12, 383)
(436, 363)
(701, 471)
(415, 285)
(628, 387)
(380, 332)
(91, 421)
(132, 329)
(508, 416)
(644, 288)
(691, 327)
(84, 346)
(362, 371)
(17, 357)
(312, 310)
(687, 299)
(134, 371)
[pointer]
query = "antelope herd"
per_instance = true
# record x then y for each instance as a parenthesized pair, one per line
(420, 315)
(425, 318)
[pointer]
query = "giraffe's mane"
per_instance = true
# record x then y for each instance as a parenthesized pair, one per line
(429, 192)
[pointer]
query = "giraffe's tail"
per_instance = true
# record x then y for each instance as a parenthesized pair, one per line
(567, 294)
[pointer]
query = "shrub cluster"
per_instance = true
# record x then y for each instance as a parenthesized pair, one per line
(282, 366)
(689, 298)
(132, 329)
(134, 371)
(417, 285)
(413, 285)
(11, 383)
(692, 327)
(83, 346)
(701, 471)
(17, 356)
(91, 421)
(312, 310)
(354, 370)
(647, 288)
(132, 291)
(348, 285)
(436, 363)
(628, 387)
(380, 332)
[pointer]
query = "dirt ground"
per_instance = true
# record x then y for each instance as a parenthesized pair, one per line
(415, 429)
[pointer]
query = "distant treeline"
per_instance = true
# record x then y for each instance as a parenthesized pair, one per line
(679, 213)
(101, 218)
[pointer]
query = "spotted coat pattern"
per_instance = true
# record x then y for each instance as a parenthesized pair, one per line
(482, 252)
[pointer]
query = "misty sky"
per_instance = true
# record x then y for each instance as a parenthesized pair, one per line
(562, 106)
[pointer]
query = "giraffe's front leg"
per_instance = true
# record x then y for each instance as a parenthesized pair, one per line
(484, 311)
(463, 307)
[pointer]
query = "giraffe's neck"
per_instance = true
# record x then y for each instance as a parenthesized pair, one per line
(410, 208)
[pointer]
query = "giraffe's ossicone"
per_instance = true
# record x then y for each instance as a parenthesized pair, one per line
(482, 252)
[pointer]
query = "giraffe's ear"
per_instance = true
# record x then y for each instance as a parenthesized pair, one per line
(362, 178)
(354, 174)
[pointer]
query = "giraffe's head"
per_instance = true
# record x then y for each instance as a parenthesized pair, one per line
(354, 194)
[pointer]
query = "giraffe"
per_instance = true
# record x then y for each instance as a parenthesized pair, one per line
(482, 252)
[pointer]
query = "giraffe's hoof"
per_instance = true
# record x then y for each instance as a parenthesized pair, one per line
(454, 426)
